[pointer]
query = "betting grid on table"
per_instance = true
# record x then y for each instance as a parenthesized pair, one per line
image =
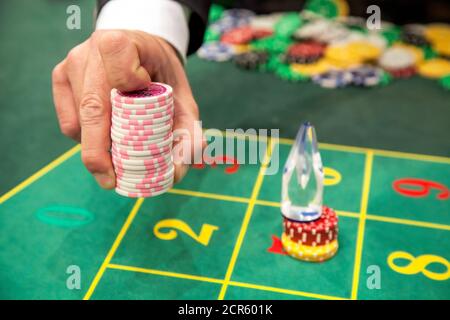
(216, 235)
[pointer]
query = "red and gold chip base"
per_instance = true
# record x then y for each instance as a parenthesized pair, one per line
(315, 241)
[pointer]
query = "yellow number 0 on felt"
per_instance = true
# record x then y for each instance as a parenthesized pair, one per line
(174, 224)
(332, 176)
(419, 264)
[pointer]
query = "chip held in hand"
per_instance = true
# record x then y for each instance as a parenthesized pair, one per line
(142, 138)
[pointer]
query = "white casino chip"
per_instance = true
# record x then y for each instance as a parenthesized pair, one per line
(396, 58)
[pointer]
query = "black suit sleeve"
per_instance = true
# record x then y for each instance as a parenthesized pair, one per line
(197, 22)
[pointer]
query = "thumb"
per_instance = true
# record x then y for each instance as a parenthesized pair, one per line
(121, 61)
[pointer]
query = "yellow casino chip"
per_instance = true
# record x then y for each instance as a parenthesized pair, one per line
(434, 68)
(342, 6)
(311, 69)
(343, 53)
(442, 47)
(437, 32)
(309, 253)
(341, 64)
(241, 48)
(365, 50)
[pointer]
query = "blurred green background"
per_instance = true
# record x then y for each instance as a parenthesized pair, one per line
(411, 115)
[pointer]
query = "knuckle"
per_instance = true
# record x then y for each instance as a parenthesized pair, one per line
(91, 160)
(73, 55)
(97, 34)
(57, 73)
(92, 111)
(113, 41)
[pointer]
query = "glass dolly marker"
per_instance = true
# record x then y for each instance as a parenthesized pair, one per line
(301, 195)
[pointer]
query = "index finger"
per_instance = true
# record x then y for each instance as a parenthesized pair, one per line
(95, 121)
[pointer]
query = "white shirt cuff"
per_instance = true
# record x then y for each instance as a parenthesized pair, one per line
(163, 18)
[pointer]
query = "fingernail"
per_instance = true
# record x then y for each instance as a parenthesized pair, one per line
(105, 180)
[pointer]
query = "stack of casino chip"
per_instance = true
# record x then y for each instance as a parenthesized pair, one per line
(228, 22)
(333, 79)
(237, 36)
(216, 51)
(314, 241)
(414, 34)
(141, 134)
(251, 60)
(366, 76)
(404, 73)
(399, 61)
(265, 22)
(305, 52)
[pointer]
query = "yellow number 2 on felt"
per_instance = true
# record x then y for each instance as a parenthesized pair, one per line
(419, 264)
(174, 224)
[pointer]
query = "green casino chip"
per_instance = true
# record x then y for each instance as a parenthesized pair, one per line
(215, 13)
(287, 25)
(391, 35)
(271, 44)
(385, 79)
(272, 63)
(324, 8)
(359, 29)
(429, 53)
(284, 72)
(211, 35)
(445, 82)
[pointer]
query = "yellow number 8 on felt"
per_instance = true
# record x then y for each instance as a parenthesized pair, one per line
(419, 264)
(172, 225)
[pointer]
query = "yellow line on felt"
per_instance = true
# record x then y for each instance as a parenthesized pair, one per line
(248, 214)
(408, 222)
(208, 195)
(268, 203)
(278, 204)
(52, 165)
(347, 214)
(362, 223)
(285, 291)
(219, 281)
(164, 273)
(329, 146)
(411, 156)
(137, 205)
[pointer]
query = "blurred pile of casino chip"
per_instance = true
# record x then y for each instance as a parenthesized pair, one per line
(326, 46)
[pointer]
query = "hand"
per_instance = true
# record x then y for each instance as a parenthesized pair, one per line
(126, 60)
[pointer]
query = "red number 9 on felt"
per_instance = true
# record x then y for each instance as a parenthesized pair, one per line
(417, 188)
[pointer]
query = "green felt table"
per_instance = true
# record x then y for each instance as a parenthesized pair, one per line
(215, 235)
